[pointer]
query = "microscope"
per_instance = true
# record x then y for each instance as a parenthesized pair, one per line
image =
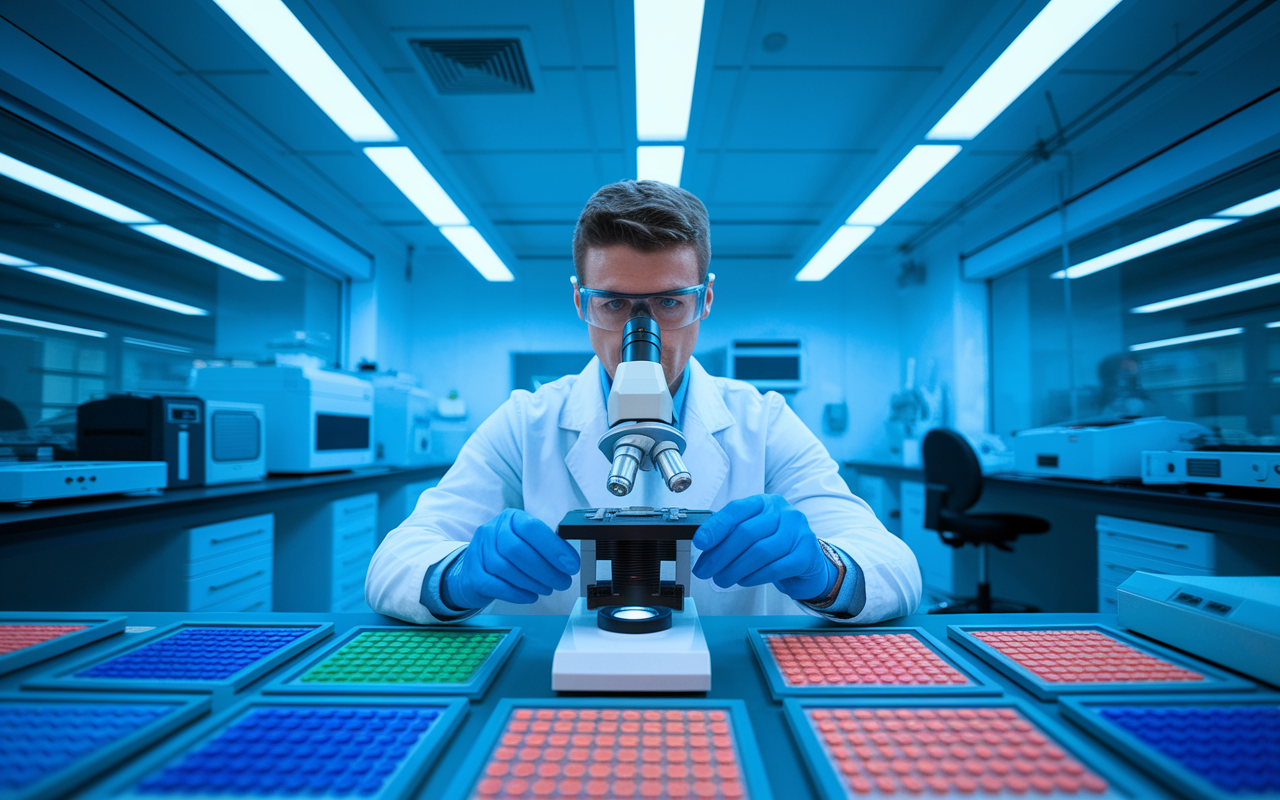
(635, 631)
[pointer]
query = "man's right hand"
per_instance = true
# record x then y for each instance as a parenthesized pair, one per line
(513, 557)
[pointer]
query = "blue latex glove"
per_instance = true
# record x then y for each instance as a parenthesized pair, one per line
(513, 557)
(764, 539)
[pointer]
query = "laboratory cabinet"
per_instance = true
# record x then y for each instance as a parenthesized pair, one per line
(228, 565)
(323, 553)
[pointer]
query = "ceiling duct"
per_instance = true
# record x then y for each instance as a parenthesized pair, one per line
(474, 66)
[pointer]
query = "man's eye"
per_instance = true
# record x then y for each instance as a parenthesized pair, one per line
(669, 302)
(614, 305)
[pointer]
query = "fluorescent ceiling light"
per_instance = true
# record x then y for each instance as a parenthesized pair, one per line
(921, 164)
(168, 348)
(1195, 337)
(840, 246)
(66, 190)
(660, 163)
(1151, 244)
(209, 252)
(282, 37)
(1275, 324)
(1209, 294)
(476, 250)
(53, 326)
(14, 261)
(1054, 30)
(118, 291)
(667, 38)
(416, 183)
(1255, 206)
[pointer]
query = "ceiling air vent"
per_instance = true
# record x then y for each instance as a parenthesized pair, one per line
(475, 66)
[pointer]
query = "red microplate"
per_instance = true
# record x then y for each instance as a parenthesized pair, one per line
(1066, 656)
(891, 659)
(20, 637)
(947, 751)
(604, 752)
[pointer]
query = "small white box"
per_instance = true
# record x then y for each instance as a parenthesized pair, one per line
(235, 442)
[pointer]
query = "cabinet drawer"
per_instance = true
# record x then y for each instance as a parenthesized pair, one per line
(214, 587)
(1115, 566)
(352, 605)
(257, 600)
(1180, 545)
(348, 510)
(225, 537)
(204, 566)
(1108, 602)
(352, 564)
(363, 535)
(348, 585)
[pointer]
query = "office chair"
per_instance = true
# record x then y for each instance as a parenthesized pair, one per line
(953, 484)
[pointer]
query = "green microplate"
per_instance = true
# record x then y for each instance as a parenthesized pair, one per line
(406, 657)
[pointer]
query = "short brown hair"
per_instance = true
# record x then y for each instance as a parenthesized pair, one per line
(648, 216)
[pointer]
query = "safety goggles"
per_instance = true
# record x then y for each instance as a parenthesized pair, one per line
(671, 310)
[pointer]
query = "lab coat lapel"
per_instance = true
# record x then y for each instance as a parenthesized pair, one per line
(705, 415)
(584, 412)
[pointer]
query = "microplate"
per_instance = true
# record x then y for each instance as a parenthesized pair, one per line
(28, 638)
(191, 657)
(944, 747)
(594, 747)
(403, 660)
(50, 743)
(1207, 747)
(870, 661)
(367, 748)
(1050, 660)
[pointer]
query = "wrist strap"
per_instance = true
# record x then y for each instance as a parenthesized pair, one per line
(830, 597)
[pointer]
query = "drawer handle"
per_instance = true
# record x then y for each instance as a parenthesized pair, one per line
(352, 585)
(238, 580)
(258, 532)
(1148, 540)
(255, 605)
(355, 560)
(361, 532)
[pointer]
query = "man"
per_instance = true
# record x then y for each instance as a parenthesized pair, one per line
(787, 533)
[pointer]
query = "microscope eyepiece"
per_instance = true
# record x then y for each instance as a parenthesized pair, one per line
(641, 340)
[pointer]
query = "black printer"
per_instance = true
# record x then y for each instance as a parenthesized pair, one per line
(129, 427)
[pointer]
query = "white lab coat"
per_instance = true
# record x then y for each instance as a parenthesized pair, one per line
(539, 452)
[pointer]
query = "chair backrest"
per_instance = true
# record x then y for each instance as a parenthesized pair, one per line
(949, 461)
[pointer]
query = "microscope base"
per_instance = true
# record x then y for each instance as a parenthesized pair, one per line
(591, 660)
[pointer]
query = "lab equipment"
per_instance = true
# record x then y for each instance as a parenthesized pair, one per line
(28, 481)
(1232, 621)
(1052, 660)
(235, 442)
(635, 632)
(379, 660)
(322, 553)
(1246, 468)
(383, 748)
(129, 427)
(1204, 747)
(43, 757)
(321, 419)
(660, 748)
(880, 661)
(30, 637)
(401, 422)
(772, 365)
(879, 747)
(191, 657)
(640, 433)
(1099, 450)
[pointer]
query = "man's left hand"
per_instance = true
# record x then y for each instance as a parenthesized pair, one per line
(764, 539)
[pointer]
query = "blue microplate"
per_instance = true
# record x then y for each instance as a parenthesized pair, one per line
(37, 740)
(196, 654)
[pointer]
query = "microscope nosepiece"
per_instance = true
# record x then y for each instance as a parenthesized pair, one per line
(672, 467)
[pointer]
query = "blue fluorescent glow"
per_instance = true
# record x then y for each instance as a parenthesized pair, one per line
(1051, 34)
(53, 326)
(660, 163)
(840, 246)
(1195, 337)
(668, 33)
(282, 37)
(1151, 244)
(1209, 294)
(417, 184)
(913, 172)
(118, 291)
(1257, 205)
(477, 251)
(68, 191)
(14, 261)
(209, 252)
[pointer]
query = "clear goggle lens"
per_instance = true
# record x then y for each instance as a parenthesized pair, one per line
(612, 310)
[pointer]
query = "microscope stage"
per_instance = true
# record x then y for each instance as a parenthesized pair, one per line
(591, 660)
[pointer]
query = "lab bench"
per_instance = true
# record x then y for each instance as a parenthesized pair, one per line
(1075, 566)
(736, 676)
(287, 543)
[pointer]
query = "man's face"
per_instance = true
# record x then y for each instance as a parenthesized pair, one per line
(619, 268)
